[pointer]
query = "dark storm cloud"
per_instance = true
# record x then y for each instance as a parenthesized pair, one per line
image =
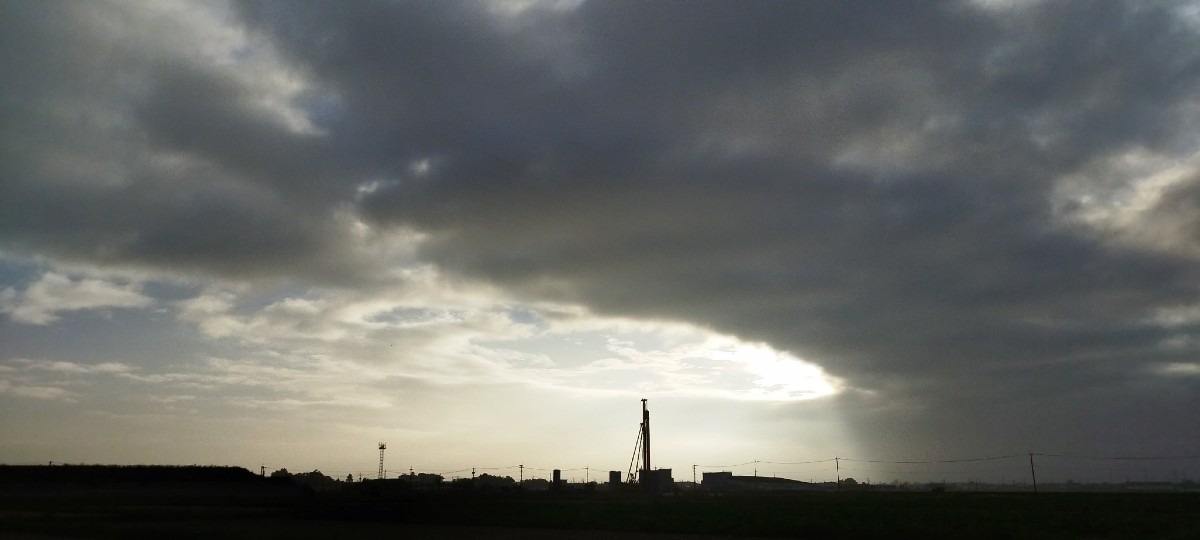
(707, 171)
(868, 185)
(122, 146)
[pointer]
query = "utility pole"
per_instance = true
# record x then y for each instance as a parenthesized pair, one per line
(522, 467)
(837, 466)
(693, 473)
(262, 470)
(1033, 472)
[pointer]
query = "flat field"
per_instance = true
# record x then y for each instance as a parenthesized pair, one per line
(608, 516)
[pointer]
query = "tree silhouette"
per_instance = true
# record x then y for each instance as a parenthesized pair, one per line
(315, 480)
(427, 479)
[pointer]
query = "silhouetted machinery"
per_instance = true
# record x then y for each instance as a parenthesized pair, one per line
(654, 480)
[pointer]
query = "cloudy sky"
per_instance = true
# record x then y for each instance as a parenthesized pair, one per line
(279, 233)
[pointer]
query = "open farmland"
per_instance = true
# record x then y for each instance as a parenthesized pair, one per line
(597, 515)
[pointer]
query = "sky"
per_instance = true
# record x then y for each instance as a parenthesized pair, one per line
(278, 233)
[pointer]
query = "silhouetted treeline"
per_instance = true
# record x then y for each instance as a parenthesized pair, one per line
(141, 485)
(315, 479)
(110, 474)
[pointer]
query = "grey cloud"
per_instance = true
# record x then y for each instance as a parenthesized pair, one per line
(866, 185)
(122, 146)
(925, 275)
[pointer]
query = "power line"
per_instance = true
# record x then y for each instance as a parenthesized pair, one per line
(729, 466)
(965, 460)
(1119, 458)
(934, 471)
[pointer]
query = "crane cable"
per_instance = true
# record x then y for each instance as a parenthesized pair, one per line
(636, 447)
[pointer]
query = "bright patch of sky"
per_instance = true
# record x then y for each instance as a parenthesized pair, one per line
(341, 354)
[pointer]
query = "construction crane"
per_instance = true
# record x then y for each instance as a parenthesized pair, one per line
(642, 445)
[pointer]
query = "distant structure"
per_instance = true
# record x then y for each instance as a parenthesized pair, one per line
(651, 480)
(726, 481)
(645, 437)
(382, 447)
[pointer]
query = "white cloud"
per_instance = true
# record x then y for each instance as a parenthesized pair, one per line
(675, 359)
(41, 302)
(1176, 316)
(57, 366)
(512, 8)
(294, 380)
(1004, 5)
(211, 313)
(171, 399)
(445, 332)
(1180, 369)
(44, 379)
(290, 381)
(1119, 197)
(36, 392)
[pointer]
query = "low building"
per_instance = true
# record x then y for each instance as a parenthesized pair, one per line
(726, 481)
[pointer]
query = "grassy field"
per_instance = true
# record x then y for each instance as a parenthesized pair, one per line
(543, 516)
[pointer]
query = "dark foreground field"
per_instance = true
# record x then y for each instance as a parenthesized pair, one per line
(41, 502)
(600, 516)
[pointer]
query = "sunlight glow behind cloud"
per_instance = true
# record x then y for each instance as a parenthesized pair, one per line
(476, 338)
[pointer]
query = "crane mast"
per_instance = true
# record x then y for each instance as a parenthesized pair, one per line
(645, 439)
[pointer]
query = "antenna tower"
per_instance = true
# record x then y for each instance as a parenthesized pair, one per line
(382, 447)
